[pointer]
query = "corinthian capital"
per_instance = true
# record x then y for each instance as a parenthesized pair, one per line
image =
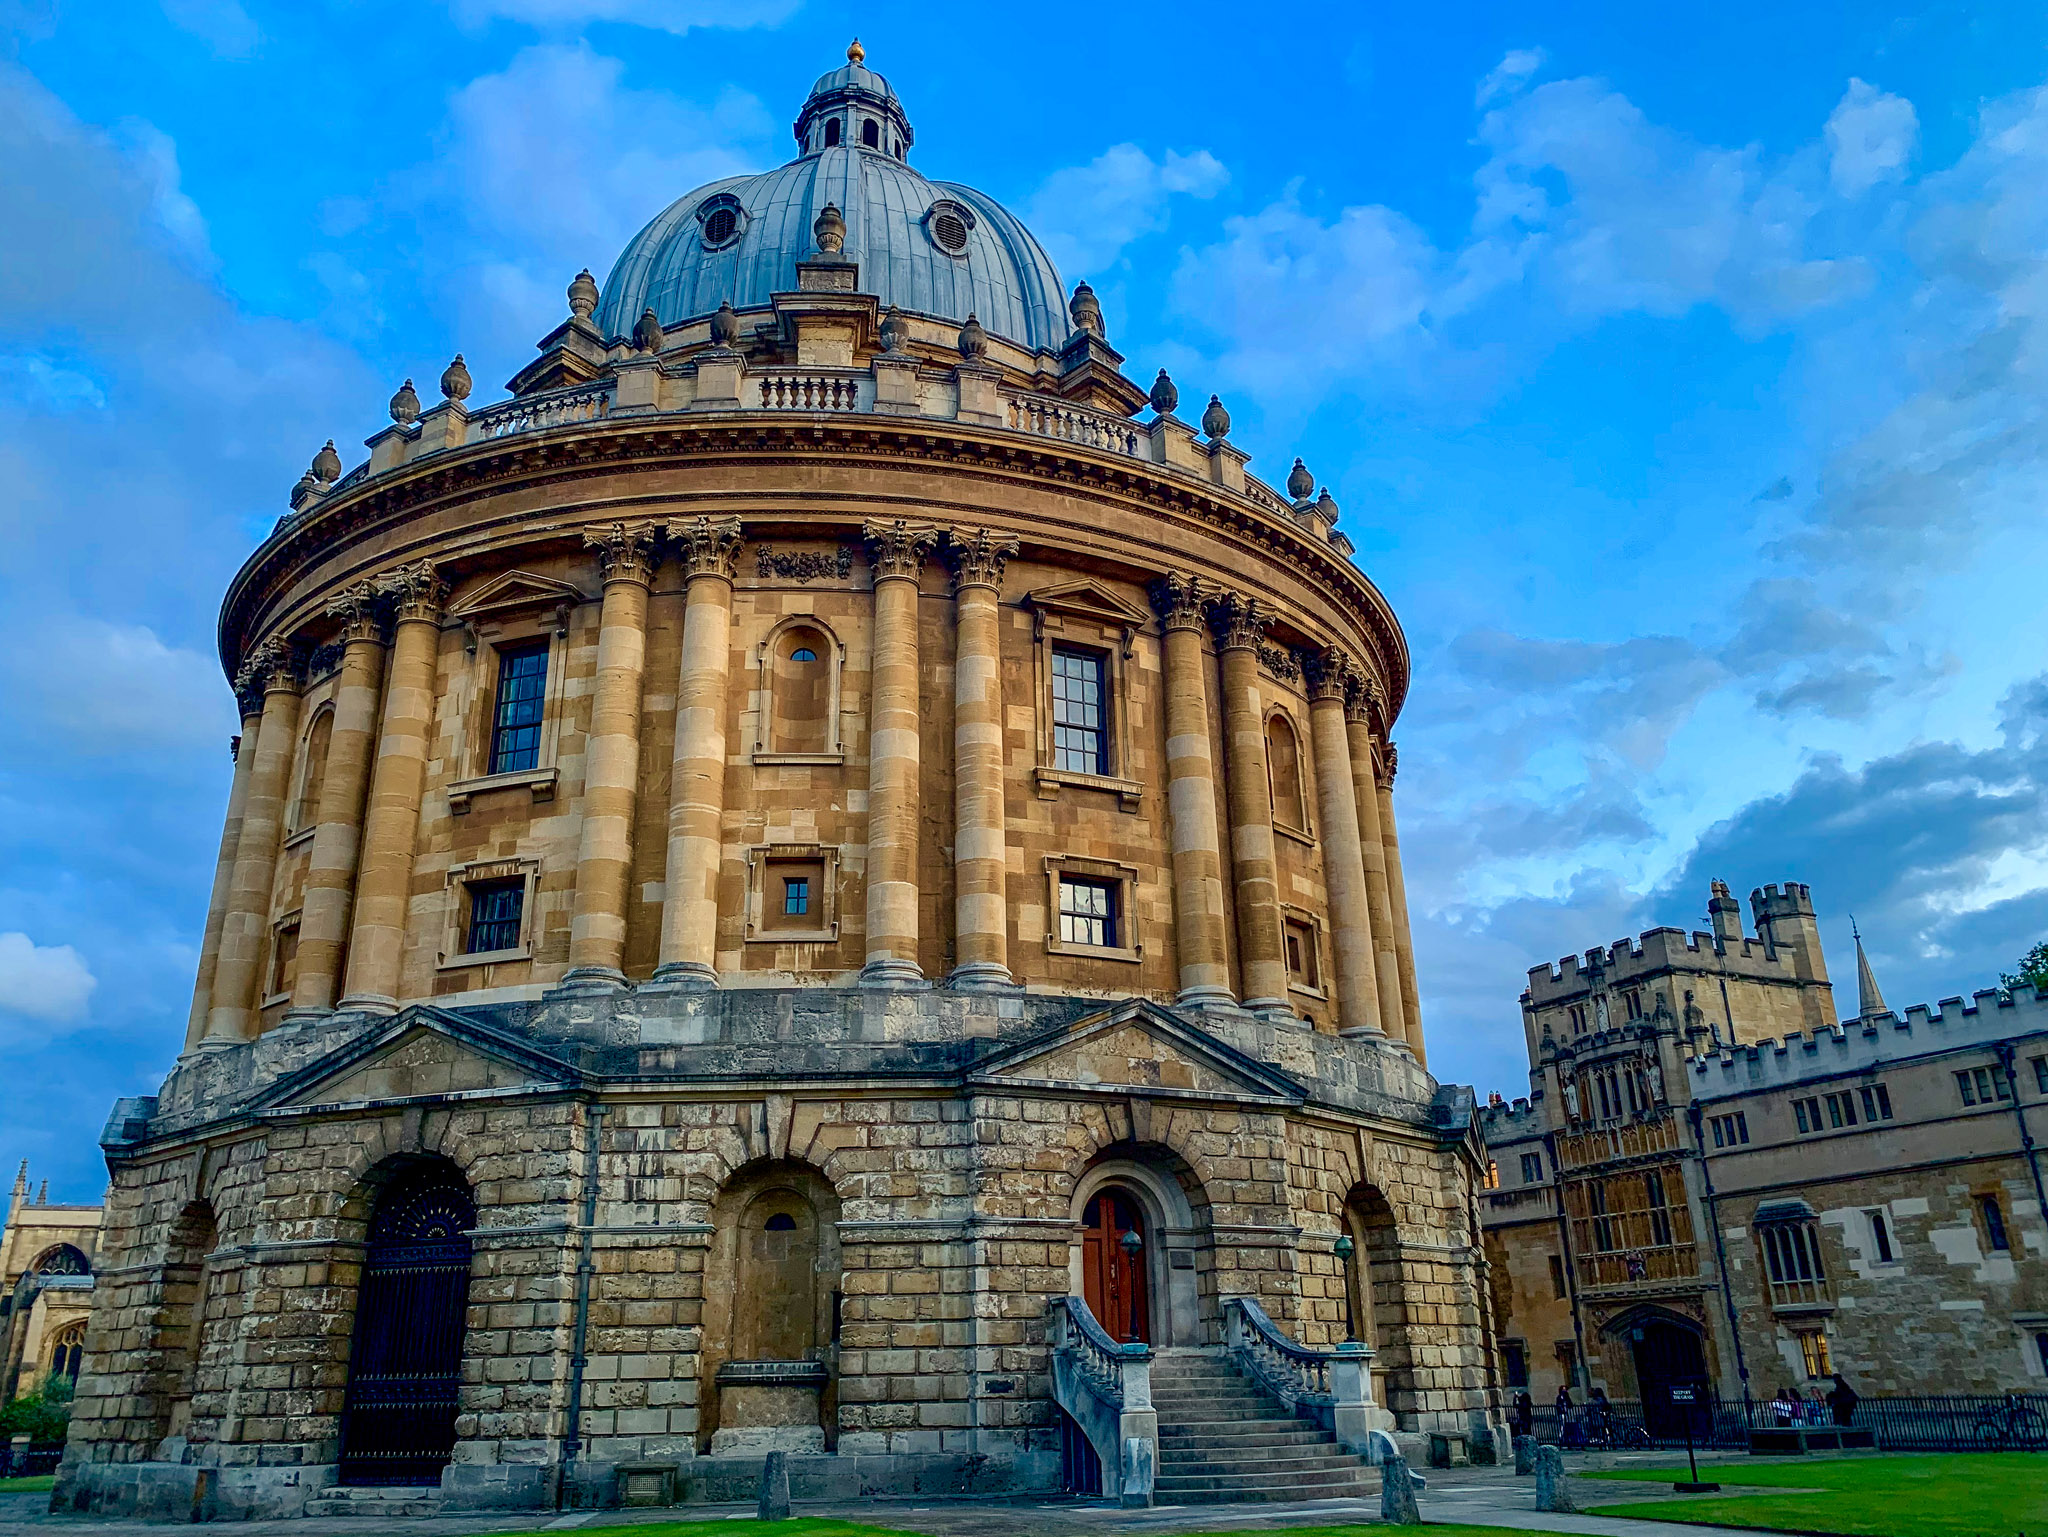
(1180, 601)
(1388, 765)
(276, 664)
(360, 610)
(1331, 673)
(626, 552)
(1240, 623)
(977, 557)
(707, 546)
(898, 548)
(414, 592)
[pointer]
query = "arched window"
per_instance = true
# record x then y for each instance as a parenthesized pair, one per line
(67, 1350)
(181, 1327)
(1283, 773)
(871, 134)
(800, 678)
(306, 811)
(61, 1259)
(832, 132)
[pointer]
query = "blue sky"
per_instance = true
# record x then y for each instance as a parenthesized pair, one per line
(1680, 372)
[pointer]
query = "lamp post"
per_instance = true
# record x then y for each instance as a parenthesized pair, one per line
(1345, 1248)
(1131, 1243)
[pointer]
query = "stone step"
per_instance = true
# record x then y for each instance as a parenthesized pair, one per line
(1257, 1467)
(395, 1502)
(1219, 1396)
(1308, 1486)
(1208, 1427)
(1242, 1440)
(1364, 1491)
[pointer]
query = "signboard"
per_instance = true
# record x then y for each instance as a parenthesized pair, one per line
(1682, 1396)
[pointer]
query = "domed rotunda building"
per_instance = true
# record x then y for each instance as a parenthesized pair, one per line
(822, 878)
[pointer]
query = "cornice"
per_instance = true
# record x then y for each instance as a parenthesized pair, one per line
(587, 450)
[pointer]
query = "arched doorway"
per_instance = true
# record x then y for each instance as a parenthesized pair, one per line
(405, 1360)
(1667, 1354)
(1113, 1268)
(776, 1312)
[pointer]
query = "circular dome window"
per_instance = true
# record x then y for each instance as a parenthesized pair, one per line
(947, 225)
(722, 219)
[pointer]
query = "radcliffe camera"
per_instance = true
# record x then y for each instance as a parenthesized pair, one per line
(1071, 812)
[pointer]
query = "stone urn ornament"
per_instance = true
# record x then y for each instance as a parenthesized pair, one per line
(1299, 482)
(327, 464)
(830, 230)
(647, 332)
(1087, 312)
(894, 331)
(583, 295)
(405, 405)
(725, 324)
(973, 340)
(1216, 420)
(1164, 396)
(455, 381)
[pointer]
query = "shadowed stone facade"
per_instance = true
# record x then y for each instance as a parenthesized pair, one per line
(738, 858)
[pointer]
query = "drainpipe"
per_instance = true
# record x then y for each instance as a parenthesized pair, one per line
(2006, 1055)
(572, 1429)
(1692, 1114)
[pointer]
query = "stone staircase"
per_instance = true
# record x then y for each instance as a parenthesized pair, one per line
(383, 1501)
(1223, 1439)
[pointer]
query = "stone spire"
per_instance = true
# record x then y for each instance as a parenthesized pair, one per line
(19, 1197)
(1869, 1000)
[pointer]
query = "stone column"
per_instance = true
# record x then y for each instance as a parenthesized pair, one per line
(897, 550)
(980, 834)
(237, 977)
(627, 555)
(1351, 941)
(376, 949)
(1240, 624)
(1191, 796)
(1397, 895)
(696, 786)
(331, 867)
(250, 707)
(1379, 904)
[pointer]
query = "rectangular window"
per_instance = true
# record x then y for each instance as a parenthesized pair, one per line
(1999, 1087)
(284, 963)
(1080, 737)
(1578, 1019)
(796, 895)
(1557, 1277)
(1731, 1130)
(793, 896)
(2041, 1345)
(1880, 1238)
(1808, 1112)
(1813, 1350)
(1994, 1222)
(1088, 914)
(1963, 1085)
(2041, 1074)
(1299, 938)
(1877, 1103)
(1634, 1002)
(1742, 1125)
(515, 717)
(1841, 1110)
(495, 908)
(1660, 1217)
(1515, 1357)
(1492, 1179)
(1532, 1168)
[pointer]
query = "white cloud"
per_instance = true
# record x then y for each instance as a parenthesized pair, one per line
(222, 24)
(1513, 72)
(95, 687)
(49, 983)
(677, 16)
(1087, 214)
(1871, 137)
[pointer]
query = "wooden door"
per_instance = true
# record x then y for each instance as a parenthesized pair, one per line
(1113, 1282)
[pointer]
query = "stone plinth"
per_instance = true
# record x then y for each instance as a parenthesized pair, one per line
(769, 1406)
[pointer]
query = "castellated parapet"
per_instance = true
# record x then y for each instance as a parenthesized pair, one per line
(1991, 1016)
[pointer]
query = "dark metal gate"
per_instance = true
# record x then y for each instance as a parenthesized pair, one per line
(405, 1365)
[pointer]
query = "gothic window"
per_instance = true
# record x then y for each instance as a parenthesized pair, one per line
(516, 711)
(1532, 1168)
(497, 909)
(1080, 718)
(1632, 1002)
(1283, 773)
(1790, 1238)
(1578, 1013)
(1994, 1223)
(1813, 1351)
(1088, 913)
(61, 1259)
(1660, 1215)
(1880, 1238)
(67, 1351)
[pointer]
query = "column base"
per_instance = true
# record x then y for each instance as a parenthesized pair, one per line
(681, 977)
(982, 977)
(1372, 1033)
(1275, 1011)
(367, 1003)
(1207, 996)
(589, 982)
(302, 1016)
(893, 973)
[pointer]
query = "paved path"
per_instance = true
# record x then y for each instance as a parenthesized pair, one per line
(1463, 1496)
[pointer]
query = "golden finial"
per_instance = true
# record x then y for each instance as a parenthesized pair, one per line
(854, 52)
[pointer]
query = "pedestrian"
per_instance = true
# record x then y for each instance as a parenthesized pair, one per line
(1599, 1417)
(1525, 1415)
(1842, 1399)
(1784, 1408)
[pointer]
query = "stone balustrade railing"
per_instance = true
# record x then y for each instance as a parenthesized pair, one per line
(1106, 1389)
(1331, 1387)
(897, 391)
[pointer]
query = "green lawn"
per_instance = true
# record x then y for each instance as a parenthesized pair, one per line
(1971, 1494)
(43, 1482)
(811, 1526)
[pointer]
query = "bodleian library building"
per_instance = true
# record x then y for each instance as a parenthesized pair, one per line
(822, 878)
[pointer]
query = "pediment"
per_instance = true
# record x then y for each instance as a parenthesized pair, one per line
(514, 591)
(1137, 1048)
(423, 1053)
(1087, 599)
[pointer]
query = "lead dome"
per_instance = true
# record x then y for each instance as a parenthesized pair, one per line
(936, 248)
